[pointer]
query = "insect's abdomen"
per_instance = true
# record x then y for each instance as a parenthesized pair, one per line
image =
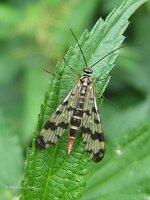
(76, 119)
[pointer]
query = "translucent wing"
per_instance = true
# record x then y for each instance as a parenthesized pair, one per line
(93, 137)
(59, 121)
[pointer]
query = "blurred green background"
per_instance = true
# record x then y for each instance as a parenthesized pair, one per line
(34, 35)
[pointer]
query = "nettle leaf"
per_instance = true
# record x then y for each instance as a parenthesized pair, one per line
(51, 174)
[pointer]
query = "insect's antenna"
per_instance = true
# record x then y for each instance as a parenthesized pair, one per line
(79, 47)
(112, 52)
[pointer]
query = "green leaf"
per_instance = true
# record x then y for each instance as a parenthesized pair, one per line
(51, 174)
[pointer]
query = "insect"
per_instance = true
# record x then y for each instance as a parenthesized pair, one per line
(78, 109)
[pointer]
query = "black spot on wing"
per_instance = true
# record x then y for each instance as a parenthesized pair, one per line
(50, 125)
(42, 145)
(95, 110)
(98, 136)
(65, 103)
(40, 142)
(53, 127)
(63, 125)
(87, 130)
(97, 121)
(97, 157)
(89, 151)
(58, 112)
(58, 137)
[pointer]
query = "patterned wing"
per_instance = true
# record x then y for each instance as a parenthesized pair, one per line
(93, 137)
(59, 121)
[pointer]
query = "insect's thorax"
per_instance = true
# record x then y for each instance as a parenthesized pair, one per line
(86, 80)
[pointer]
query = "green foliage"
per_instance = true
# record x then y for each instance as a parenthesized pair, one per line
(11, 161)
(51, 174)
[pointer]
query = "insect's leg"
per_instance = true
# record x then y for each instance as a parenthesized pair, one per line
(45, 70)
(55, 75)
(105, 79)
(69, 77)
(101, 94)
(96, 79)
(65, 76)
(102, 90)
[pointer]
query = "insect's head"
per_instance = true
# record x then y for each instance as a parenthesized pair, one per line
(88, 70)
